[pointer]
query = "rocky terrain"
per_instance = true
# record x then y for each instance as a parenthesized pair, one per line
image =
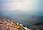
(7, 23)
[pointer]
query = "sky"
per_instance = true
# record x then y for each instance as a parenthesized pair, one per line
(22, 5)
(33, 7)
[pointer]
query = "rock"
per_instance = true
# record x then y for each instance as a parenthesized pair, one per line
(8, 24)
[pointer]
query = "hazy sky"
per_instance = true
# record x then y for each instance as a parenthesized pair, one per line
(22, 5)
(30, 6)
